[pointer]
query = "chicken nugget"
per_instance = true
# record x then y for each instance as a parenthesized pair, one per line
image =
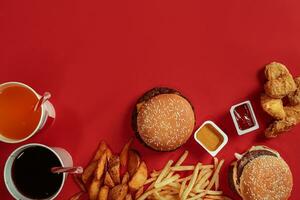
(275, 70)
(294, 97)
(274, 107)
(279, 127)
(280, 87)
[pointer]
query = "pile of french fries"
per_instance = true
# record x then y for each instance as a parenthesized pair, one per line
(168, 184)
(102, 180)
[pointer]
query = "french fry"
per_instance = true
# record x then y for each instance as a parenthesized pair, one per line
(139, 178)
(77, 196)
(164, 172)
(79, 182)
(215, 175)
(88, 171)
(103, 193)
(128, 197)
(94, 189)
(191, 183)
(101, 149)
(167, 181)
(124, 153)
(182, 168)
(154, 174)
(125, 178)
(118, 192)
(182, 158)
(114, 169)
(184, 179)
(174, 185)
(133, 161)
(139, 192)
(148, 193)
(182, 188)
(214, 197)
(151, 186)
(108, 180)
(198, 196)
(216, 161)
(203, 180)
(100, 166)
(150, 180)
(179, 162)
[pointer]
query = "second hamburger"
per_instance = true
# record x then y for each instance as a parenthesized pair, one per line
(261, 173)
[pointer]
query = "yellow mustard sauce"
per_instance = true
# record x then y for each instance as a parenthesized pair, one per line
(209, 137)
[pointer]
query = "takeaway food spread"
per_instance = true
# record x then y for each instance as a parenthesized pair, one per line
(163, 119)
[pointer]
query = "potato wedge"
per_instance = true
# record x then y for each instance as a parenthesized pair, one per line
(125, 178)
(101, 149)
(139, 178)
(124, 153)
(128, 197)
(77, 196)
(103, 193)
(94, 189)
(118, 192)
(133, 161)
(114, 169)
(79, 182)
(100, 166)
(108, 180)
(108, 153)
(88, 171)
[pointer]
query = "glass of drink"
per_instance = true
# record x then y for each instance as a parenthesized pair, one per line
(27, 171)
(20, 119)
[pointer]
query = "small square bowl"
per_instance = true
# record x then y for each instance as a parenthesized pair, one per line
(222, 134)
(255, 123)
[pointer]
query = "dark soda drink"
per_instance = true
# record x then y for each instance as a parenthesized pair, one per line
(31, 173)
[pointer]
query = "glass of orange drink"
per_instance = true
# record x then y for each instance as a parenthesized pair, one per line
(20, 119)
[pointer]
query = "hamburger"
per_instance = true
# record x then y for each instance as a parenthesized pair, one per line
(163, 119)
(260, 173)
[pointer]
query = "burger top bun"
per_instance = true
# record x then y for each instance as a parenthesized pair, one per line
(266, 177)
(165, 121)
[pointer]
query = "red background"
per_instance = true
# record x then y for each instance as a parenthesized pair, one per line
(98, 57)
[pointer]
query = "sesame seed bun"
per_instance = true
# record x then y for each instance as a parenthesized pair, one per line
(261, 173)
(163, 119)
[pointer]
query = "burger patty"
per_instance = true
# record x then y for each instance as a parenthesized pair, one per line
(248, 157)
(146, 97)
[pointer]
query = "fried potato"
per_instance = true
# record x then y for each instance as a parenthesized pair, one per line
(79, 182)
(114, 169)
(124, 153)
(77, 196)
(88, 171)
(94, 189)
(139, 192)
(192, 182)
(128, 197)
(101, 149)
(100, 166)
(103, 193)
(118, 192)
(164, 172)
(108, 180)
(133, 161)
(125, 178)
(139, 178)
(108, 154)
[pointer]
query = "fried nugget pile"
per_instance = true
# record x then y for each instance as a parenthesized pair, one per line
(281, 85)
